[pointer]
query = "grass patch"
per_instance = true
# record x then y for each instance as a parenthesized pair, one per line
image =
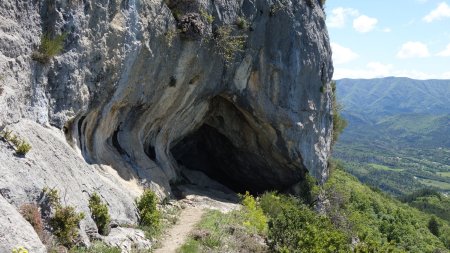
(191, 246)
(444, 174)
(434, 183)
(241, 230)
(382, 167)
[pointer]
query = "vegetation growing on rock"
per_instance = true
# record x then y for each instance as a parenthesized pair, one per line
(99, 213)
(64, 222)
(21, 146)
(50, 47)
(149, 215)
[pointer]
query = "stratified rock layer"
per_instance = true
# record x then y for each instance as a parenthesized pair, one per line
(151, 87)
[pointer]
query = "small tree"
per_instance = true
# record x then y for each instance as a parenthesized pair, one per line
(148, 212)
(65, 221)
(339, 123)
(434, 226)
(99, 213)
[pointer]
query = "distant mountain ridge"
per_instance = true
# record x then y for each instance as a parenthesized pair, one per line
(402, 110)
(393, 96)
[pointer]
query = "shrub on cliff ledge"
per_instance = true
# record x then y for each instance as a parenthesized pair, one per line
(64, 223)
(49, 48)
(227, 44)
(99, 213)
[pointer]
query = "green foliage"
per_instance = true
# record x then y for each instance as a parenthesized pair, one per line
(379, 221)
(293, 227)
(254, 215)
(99, 213)
(96, 247)
(22, 147)
(339, 123)
(238, 230)
(20, 249)
(65, 221)
(191, 246)
(206, 16)
(434, 226)
(429, 201)
(49, 48)
(242, 23)
(149, 216)
(227, 44)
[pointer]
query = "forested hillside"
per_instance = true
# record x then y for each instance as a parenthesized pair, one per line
(398, 131)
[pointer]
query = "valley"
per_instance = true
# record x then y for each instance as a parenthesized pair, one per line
(398, 132)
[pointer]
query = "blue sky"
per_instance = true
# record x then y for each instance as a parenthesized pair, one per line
(378, 38)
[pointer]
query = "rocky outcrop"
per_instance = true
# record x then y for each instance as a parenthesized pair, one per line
(237, 89)
(15, 231)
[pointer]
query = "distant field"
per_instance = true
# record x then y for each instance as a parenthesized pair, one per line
(438, 184)
(444, 174)
(382, 167)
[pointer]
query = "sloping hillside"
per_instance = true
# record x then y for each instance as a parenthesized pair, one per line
(397, 134)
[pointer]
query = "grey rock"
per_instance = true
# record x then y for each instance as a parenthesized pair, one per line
(16, 231)
(132, 91)
(52, 163)
(127, 239)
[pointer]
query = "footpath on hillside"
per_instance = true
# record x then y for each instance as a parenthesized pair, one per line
(196, 200)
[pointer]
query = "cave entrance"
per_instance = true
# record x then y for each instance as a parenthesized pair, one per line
(229, 150)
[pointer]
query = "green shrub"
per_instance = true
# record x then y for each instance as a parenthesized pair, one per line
(23, 148)
(206, 16)
(254, 215)
(99, 213)
(293, 226)
(434, 226)
(242, 23)
(65, 223)
(227, 44)
(339, 123)
(49, 48)
(148, 212)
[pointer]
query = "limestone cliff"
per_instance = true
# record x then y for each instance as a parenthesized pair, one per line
(237, 89)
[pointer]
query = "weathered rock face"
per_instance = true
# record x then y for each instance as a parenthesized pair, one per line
(150, 87)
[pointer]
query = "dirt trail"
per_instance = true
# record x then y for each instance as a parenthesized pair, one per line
(197, 199)
(177, 235)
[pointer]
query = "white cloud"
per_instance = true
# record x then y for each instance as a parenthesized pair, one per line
(377, 69)
(442, 11)
(413, 49)
(445, 52)
(339, 16)
(364, 23)
(446, 75)
(422, 1)
(371, 70)
(387, 30)
(342, 54)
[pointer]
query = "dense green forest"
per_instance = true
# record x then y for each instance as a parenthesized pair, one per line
(354, 217)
